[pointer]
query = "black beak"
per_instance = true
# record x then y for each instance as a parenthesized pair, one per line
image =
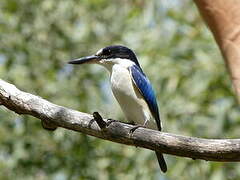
(83, 60)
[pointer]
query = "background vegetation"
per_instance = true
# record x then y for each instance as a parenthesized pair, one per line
(177, 52)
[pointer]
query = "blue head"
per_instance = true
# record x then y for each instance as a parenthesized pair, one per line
(108, 55)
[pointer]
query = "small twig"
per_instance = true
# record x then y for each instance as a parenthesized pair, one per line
(98, 118)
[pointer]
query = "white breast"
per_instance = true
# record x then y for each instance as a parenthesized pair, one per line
(128, 96)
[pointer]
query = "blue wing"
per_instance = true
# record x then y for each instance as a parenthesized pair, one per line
(145, 88)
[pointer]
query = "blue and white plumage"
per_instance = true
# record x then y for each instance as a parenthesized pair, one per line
(144, 86)
(130, 86)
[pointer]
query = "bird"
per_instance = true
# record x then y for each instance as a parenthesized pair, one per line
(130, 86)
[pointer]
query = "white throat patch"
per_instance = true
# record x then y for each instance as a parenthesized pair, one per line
(109, 63)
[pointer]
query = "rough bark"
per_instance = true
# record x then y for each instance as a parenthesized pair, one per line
(223, 19)
(55, 116)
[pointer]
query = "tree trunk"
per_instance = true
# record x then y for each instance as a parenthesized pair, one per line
(223, 19)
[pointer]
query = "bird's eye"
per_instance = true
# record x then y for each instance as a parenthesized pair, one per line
(106, 52)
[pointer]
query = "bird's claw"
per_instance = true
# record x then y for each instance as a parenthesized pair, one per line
(110, 121)
(134, 129)
(101, 123)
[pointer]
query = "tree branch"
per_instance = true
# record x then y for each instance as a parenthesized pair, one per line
(57, 116)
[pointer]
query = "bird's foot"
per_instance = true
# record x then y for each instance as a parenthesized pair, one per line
(130, 123)
(110, 121)
(134, 129)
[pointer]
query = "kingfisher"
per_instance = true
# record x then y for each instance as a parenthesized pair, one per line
(130, 86)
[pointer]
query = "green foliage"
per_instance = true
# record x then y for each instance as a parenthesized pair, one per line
(177, 52)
